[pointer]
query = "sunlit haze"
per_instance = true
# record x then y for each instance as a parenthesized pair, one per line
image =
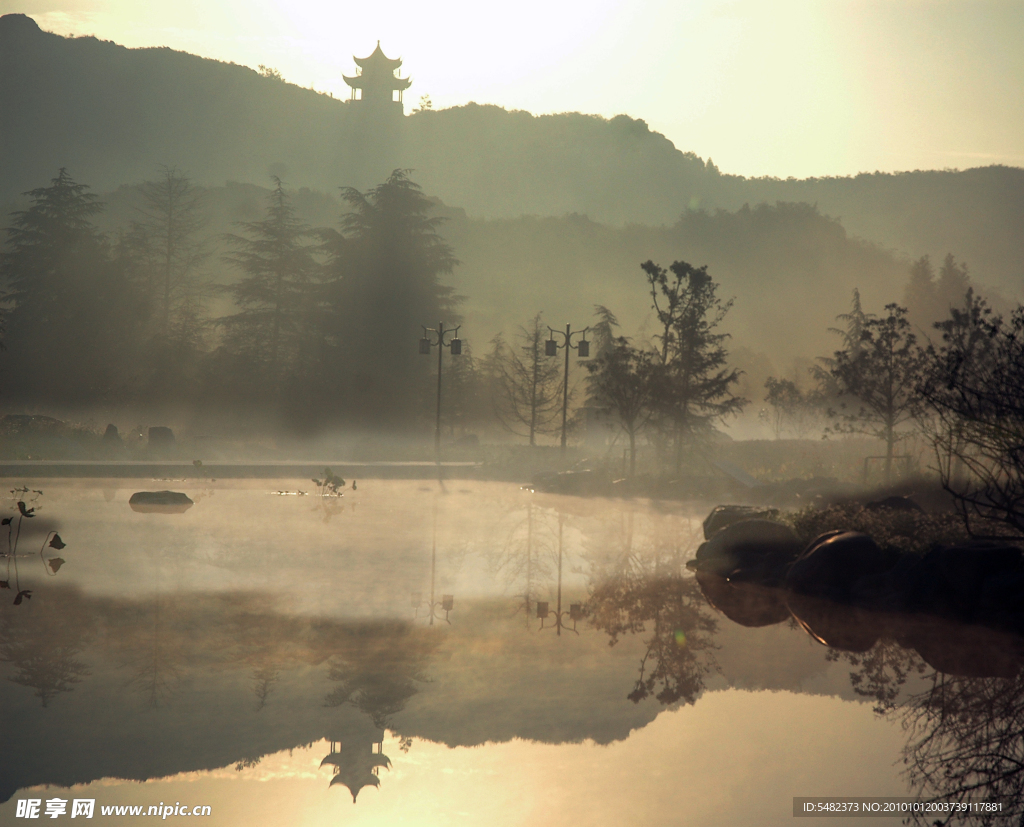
(791, 88)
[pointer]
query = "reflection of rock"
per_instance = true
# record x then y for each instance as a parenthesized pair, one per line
(834, 563)
(836, 624)
(753, 550)
(748, 604)
(162, 502)
(956, 649)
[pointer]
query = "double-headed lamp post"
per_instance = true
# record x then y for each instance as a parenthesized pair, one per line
(551, 348)
(435, 338)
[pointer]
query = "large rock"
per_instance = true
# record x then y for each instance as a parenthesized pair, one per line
(726, 515)
(751, 550)
(973, 581)
(835, 563)
(161, 436)
(160, 502)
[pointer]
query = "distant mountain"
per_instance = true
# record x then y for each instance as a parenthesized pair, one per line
(111, 115)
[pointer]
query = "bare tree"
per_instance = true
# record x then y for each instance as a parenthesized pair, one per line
(173, 219)
(528, 385)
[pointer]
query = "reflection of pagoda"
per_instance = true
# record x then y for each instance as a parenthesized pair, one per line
(356, 768)
(375, 84)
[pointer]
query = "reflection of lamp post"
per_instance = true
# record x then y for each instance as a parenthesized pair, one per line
(447, 602)
(428, 342)
(551, 348)
(575, 612)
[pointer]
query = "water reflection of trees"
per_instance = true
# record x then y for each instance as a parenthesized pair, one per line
(43, 645)
(524, 559)
(965, 728)
(641, 590)
(965, 742)
(378, 667)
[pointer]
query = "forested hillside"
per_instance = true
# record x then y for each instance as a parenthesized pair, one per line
(112, 115)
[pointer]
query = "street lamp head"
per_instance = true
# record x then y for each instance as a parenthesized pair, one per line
(584, 349)
(447, 602)
(542, 609)
(551, 348)
(425, 346)
(456, 347)
(576, 612)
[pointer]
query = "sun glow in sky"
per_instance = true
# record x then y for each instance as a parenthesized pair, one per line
(786, 88)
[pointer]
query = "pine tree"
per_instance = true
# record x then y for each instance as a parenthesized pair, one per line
(69, 313)
(385, 267)
(279, 299)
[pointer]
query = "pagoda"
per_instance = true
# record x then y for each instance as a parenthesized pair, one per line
(375, 84)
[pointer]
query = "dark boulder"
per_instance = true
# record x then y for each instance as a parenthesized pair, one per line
(973, 581)
(161, 437)
(160, 502)
(748, 604)
(726, 515)
(751, 550)
(835, 562)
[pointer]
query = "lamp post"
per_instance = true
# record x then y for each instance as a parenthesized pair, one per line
(575, 612)
(551, 348)
(427, 342)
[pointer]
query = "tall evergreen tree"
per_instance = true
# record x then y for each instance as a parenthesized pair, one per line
(275, 331)
(386, 264)
(68, 309)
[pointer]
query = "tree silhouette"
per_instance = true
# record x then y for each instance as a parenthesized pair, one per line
(385, 265)
(624, 379)
(279, 296)
(70, 316)
(172, 220)
(528, 385)
(975, 387)
(881, 374)
(693, 388)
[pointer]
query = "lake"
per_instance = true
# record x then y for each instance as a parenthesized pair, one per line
(377, 658)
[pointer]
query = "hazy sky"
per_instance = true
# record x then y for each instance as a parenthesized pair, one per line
(787, 87)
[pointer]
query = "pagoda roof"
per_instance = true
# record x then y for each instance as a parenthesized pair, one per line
(362, 81)
(378, 57)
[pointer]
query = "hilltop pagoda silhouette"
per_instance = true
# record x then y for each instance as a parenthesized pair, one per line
(376, 86)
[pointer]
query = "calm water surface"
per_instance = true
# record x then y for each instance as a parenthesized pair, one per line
(276, 656)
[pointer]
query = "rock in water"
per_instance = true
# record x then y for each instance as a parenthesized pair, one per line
(833, 564)
(726, 515)
(162, 502)
(752, 550)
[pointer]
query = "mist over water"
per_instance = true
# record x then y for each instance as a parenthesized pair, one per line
(391, 462)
